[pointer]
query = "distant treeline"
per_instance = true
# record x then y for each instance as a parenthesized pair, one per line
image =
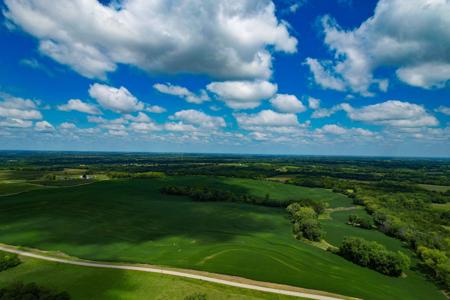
(138, 175)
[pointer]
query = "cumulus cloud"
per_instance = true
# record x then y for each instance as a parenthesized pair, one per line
(242, 94)
(324, 75)
(67, 125)
(144, 126)
(223, 39)
(44, 126)
(287, 104)
(198, 118)
(444, 110)
(182, 92)
(266, 118)
(313, 103)
(325, 112)
(78, 105)
(119, 100)
(333, 129)
(155, 109)
(140, 117)
(179, 127)
(392, 113)
(413, 37)
(16, 123)
(18, 108)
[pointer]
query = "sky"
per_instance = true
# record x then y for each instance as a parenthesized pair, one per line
(322, 77)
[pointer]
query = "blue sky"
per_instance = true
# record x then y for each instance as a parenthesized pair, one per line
(255, 76)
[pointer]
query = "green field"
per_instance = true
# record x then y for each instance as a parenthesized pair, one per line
(7, 188)
(275, 190)
(337, 228)
(435, 188)
(130, 221)
(94, 283)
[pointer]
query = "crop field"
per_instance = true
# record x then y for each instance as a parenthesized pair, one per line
(7, 188)
(94, 283)
(131, 221)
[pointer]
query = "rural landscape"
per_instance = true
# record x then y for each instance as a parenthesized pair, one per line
(379, 228)
(224, 149)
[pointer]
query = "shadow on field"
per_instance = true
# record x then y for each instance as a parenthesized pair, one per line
(130, 212)
(79, 282)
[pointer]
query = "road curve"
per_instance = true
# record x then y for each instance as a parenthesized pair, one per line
(170, 272)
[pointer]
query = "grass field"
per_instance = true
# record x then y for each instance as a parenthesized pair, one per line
(94, 283)
(337, 228)
(130, 221)
(7, 188)
(435, 188)
(275, 190)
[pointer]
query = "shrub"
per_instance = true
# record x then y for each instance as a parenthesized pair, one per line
(437, 264)
(8, 260)
(30, 291)
(357, 221)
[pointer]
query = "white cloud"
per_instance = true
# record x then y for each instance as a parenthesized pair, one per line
(243, 94)
(266, 118)
(147, 126)
(119, 100)
(15, 123)
(287, 104)
(325, 112)
(119, 133)
(78, 105)
(392, 113)
(313, 103)
(223, 39)
(333, 129)
(18, 108)
(182, 92)
(44, 126)
(426, 75)
(179, 127)
(324, 75)
(444, 110)
(198, 118)
(156, 109)
(140, 118)
(67, 125)
(113, 126)
(94, 119)
(413, 37)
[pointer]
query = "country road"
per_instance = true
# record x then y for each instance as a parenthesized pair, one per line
(173, 273)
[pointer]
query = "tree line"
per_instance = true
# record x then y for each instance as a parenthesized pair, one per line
(374, 256)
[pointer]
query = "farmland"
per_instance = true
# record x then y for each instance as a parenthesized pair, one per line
(130, 221)
(115, 210)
